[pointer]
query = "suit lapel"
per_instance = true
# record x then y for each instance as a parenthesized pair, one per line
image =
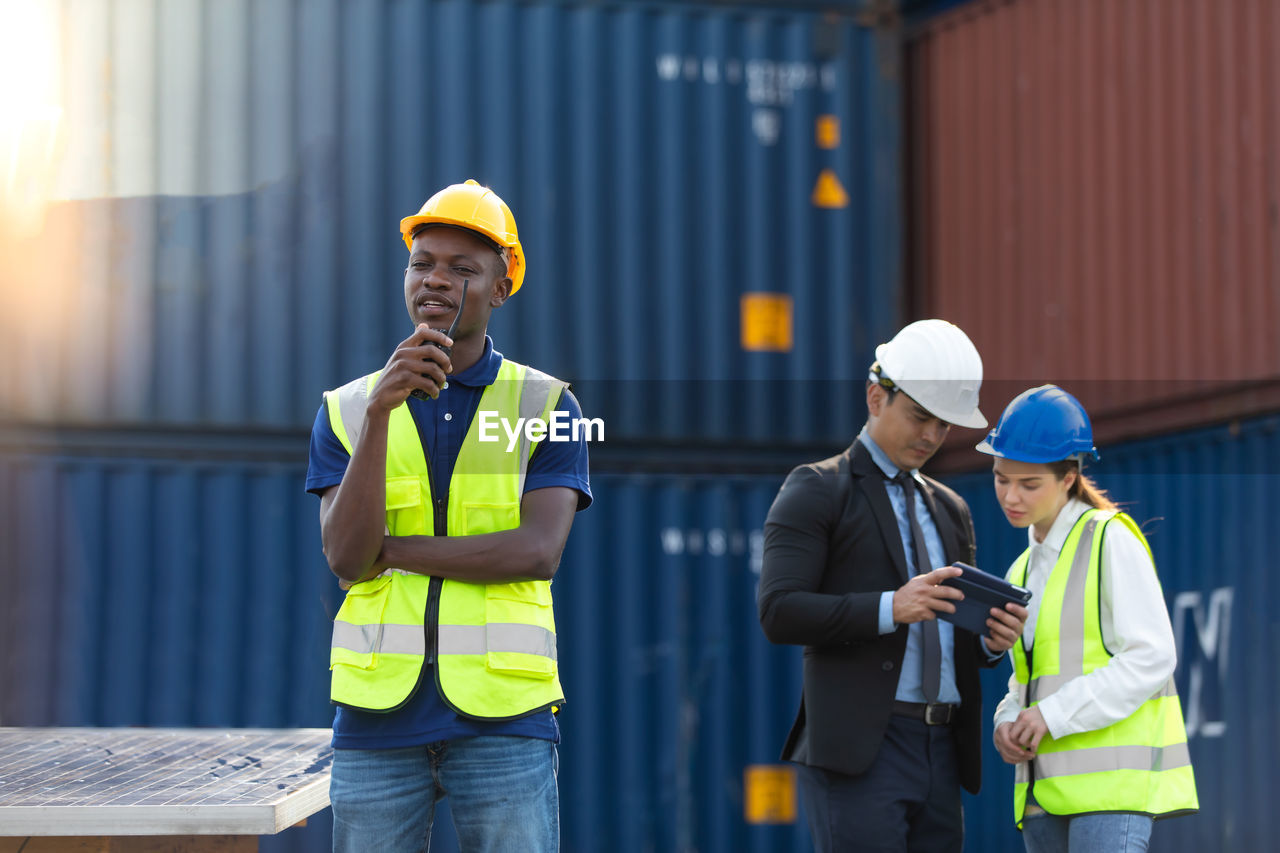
(946, 530)
(870, 480)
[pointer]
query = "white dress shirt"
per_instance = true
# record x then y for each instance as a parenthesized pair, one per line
(1135, 628)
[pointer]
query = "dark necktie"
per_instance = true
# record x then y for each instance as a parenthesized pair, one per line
(931, 676)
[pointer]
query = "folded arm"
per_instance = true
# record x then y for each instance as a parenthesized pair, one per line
(529, 552)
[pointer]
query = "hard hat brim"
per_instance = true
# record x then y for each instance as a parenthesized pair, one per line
(410, 223)
(972, 419)
(986, 447)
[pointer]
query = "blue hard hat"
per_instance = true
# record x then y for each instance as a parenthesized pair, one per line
(1044, 424)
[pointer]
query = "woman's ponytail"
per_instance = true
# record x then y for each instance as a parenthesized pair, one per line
(1083, 488)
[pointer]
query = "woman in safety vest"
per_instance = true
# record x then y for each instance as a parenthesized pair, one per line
(1092, 720)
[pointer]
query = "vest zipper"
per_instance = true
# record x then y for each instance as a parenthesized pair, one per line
(439, 527)
(1031, 764)
(433, 589)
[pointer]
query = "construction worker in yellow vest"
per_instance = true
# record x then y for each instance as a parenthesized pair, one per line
(1091, 721)
(448, 481)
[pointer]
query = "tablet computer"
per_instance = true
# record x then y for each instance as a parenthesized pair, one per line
(982, 591)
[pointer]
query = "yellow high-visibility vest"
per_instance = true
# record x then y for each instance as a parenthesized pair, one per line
(494, 644)
(1139, 764)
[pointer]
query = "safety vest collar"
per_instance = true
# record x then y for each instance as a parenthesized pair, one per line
(1065, 588)
(1076, 560)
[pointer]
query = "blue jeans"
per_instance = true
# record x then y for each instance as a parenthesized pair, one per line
(1117, 832)
(502, 792)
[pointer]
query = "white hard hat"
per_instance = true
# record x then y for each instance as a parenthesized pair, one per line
(934, 363)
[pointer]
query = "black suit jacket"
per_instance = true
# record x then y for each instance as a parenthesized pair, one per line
(831, 547)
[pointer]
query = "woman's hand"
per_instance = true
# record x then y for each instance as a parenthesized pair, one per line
(1028, 730)
(1010, 751)
(1005, 627)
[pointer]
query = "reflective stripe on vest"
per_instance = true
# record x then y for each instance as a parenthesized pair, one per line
(497, 637)
(496, 646)
(454, 639)
(1099, 759)
(1139, 764)
(1070, 658)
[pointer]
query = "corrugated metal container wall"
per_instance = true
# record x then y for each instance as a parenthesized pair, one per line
(1205, 499)
(166, 591)
(1094, 188)
(673, 689)
(232, 175)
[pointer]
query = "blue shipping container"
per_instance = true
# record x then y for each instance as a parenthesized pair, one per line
(187, 588)
(240, 170)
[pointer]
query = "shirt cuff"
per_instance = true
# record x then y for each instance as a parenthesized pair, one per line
(1053, 718)
(887, 625)
(991, 656)
(1006, 715)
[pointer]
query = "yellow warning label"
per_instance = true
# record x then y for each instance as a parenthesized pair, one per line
(769, 793)
(766, 322)
(829, 192)
(827, 131)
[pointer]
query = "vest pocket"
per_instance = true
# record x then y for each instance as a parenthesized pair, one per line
(357, 629)
(490, 518)
(519, 627)
(405, 510)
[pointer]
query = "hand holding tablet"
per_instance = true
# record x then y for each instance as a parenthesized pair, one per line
(982, 591)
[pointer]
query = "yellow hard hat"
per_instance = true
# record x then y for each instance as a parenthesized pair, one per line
(474, 208)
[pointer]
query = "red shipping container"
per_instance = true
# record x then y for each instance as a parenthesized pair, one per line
(1094, 199)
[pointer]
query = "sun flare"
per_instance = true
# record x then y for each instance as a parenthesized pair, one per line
(31, 111)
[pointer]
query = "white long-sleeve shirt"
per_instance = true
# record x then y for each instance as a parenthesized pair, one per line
(1135, 628)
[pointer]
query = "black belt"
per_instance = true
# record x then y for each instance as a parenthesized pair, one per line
(933, 714)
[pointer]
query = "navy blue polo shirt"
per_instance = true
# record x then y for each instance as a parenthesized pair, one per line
(442, 424)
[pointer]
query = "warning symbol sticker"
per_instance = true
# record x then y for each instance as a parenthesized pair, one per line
(829, 192)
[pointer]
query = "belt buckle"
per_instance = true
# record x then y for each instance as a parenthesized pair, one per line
(937, 714)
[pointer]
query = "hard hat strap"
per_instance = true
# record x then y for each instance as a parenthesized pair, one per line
(877, 376)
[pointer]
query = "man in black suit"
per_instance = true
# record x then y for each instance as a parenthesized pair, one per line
(889, 727)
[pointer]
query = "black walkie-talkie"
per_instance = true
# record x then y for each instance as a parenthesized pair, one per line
(418, 392)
